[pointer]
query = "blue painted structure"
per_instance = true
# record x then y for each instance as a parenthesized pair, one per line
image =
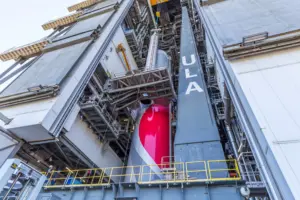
(146, 192)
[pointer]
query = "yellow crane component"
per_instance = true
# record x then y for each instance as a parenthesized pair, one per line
(81, 5)
(120, 48)
(155, 2)
(25, 51)
(63, 21)
(157, 14)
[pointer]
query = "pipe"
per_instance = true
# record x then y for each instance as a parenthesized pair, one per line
(227, 105)
(120, 48)
(64, 155)
(152, 52)
(233, 144)
(11, 187)
(151, 13)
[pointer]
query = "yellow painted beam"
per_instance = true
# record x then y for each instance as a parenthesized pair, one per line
(63, 21)
(83, 4)
(155, 2)
(25, 51)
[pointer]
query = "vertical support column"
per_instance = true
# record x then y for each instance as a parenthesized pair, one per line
(207, 192)
(151, 13)
(121, 190)
(152, 52)
(85, 193)
(102, 193)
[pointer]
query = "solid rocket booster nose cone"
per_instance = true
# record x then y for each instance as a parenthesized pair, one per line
(151, 139)
(154, 132)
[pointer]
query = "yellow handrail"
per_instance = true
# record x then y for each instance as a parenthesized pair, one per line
(195, 171)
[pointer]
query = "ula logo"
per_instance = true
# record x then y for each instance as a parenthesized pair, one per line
(193, 85)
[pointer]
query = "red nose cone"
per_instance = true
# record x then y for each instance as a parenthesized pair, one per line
(154, 132)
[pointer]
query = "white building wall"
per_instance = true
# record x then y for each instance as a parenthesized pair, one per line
(7, 146)
(28, 118)
(85, 140)
(119, 38)
(112, 61)
(271, 85)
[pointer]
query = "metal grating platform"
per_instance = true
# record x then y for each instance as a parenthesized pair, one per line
(138, 85)
(100, 119)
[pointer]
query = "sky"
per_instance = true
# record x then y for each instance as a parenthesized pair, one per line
(21, 21)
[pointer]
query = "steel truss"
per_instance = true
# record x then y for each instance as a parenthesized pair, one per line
(138, 85)
(101, 117)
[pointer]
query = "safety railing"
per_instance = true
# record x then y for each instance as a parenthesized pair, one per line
(173, 172)
(196, 171)
(223, 170)
(162, 173)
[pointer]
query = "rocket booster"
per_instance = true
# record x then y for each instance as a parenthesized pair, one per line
(151, 140)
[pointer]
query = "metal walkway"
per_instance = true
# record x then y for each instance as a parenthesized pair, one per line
(126, 89)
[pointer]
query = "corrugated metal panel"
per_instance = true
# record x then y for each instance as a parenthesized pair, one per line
(50, 69)
(252, 17)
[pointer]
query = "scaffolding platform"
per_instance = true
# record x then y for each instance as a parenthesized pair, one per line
(126, 89)
(100, 119)
(106, 127)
